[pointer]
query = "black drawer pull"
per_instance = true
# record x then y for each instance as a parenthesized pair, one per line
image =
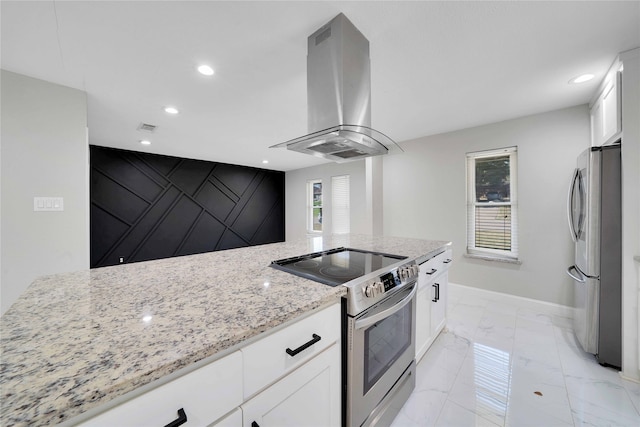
(447, 261)
(254, 424)
(433, 270)
(182, 418)
(437, 298)
(304, 346)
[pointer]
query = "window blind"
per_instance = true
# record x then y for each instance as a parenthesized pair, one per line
(340, 209)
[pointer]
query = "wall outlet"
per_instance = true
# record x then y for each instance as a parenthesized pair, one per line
(48, 204)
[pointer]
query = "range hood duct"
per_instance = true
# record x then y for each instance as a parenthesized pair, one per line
(339, 97)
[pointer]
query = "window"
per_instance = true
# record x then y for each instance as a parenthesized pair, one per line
(314, 206)
(340, 204)
(492, 204)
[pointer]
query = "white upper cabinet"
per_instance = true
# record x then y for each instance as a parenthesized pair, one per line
(605, 111)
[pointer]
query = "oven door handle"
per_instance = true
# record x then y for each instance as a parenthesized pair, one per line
(368, 321)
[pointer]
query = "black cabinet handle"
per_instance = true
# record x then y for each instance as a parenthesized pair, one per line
(447, 261)
(304, 346)
(254, 424)
(433, 270)
(182, 418)
(437, 286)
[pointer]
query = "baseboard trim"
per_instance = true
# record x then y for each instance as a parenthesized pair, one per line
(520, 302)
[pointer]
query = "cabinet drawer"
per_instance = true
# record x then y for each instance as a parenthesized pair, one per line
(205, 395)
(447, 258)
(431, 268)
(267, 360)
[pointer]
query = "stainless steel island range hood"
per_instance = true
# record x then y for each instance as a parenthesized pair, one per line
(339, 97)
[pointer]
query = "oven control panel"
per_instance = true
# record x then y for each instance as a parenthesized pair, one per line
(386, 282)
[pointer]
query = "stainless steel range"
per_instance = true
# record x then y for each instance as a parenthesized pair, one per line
(378, 327)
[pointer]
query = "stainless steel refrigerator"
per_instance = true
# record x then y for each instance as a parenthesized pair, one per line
(595, 223)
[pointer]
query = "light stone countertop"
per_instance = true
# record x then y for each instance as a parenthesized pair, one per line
(75, 341)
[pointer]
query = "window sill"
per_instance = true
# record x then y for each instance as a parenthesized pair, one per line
(493, 258)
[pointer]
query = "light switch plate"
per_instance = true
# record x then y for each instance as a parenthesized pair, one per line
(48, 204)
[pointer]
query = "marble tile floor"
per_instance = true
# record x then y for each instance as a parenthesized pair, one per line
(497, 364)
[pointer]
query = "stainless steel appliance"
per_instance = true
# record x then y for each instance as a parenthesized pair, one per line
(595, 216)
(339, 97)
(378, 327)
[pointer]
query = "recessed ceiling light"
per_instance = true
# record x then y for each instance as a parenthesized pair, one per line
(171, 110)
(265, 162)
(582, 78)
(205, 70)
(145, 142)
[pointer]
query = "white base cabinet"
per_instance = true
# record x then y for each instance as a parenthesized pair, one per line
(290, 377)
(204, 395)
(310, 396)
(431, 303)
(234, 419)
(439, 303)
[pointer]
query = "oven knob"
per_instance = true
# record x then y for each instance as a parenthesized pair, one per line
(368, 291)
(372, 290)
(380, 287)
(415, 270)
(403, 273)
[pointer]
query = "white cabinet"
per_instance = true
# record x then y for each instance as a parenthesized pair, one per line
(439, 303)
(431, 303)
(289, 377)
(595, 113)
(203, 396)
(605, 112)
(423, 320)
(309, 396)
(283, 351)
(234, 419)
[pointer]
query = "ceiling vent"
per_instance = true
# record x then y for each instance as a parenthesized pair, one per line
(146, 127)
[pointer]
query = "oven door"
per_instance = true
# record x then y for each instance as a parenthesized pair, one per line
(381, 348)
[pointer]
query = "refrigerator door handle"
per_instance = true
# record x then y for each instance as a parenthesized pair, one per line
(576, 175)
(580, 279)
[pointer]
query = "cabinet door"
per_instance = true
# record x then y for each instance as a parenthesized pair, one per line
(596, 123)
(423, 320)
(611, 118)
(439, 303)
(308, 396)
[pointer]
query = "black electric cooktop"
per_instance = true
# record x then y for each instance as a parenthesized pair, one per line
(336, 266)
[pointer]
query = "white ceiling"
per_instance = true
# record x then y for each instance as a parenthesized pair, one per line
(435, 66)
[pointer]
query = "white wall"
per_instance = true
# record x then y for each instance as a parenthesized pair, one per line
(630, 213)
(296, 193)
(44, 153)
(424, 197)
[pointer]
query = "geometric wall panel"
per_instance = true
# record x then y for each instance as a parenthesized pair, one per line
(148, 206)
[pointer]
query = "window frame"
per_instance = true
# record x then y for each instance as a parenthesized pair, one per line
(511, 255)
(311, 206)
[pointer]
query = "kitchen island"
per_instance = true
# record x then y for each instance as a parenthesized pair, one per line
(74, 342)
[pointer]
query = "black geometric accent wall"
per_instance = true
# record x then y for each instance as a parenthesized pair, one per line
(148, 206)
